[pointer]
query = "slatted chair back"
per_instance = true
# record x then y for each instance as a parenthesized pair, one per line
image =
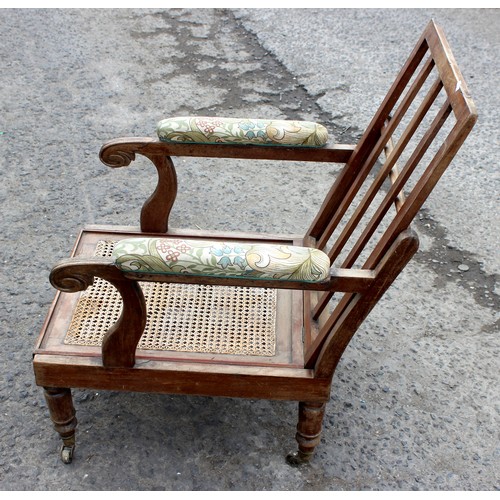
(419, 127)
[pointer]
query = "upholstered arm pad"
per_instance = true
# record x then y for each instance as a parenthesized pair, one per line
(221, 259)
(216, 130)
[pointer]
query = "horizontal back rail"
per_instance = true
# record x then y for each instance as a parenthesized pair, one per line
(365, 146)
(383, 173)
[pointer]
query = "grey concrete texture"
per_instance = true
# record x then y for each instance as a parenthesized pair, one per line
(415, 401)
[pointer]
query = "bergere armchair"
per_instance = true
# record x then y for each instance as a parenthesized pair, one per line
(164, 310)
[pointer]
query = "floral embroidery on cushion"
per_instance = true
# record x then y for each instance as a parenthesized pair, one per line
(253, 129)
(231, 259)
(292, 263)
(217, 130)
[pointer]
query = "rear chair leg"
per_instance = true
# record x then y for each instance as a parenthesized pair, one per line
(62, 413)
(308, 432)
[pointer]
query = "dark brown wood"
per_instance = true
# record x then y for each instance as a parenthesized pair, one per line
(308, 432)
(310, 339)
(342, 280)
(451, 76)
(120, 152)
(367, 142)
(120, 342)
(360, 305)
(156, 210)
(394, 196)
(385, 135)
(63, 416)
(198, 379)
(383, 173)
(391, 233)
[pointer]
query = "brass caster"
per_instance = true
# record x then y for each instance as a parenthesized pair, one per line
(298, 458)
(67, 454)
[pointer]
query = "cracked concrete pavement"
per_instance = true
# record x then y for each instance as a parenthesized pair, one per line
(415, 399)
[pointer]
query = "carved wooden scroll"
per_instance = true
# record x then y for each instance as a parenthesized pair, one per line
(120, 342)
(156, 210)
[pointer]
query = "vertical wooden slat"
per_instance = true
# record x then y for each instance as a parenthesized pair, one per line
(358, 306)
(394, 174)
(405, 138)
(333, 336)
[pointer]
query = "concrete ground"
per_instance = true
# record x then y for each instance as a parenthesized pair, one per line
(415, 400)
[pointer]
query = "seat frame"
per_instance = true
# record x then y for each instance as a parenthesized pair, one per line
(310, 339)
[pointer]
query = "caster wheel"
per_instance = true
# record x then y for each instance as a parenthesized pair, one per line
(67, 454)
(297, 458)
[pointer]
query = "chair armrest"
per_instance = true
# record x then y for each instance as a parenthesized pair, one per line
(234, 264)
(121, 152)
(119, 344)
(156, 210)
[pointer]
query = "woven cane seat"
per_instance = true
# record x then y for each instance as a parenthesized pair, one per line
(183, 318)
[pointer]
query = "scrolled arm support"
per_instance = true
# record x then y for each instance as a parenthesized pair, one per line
(120, 342)
(118, 159)
(121, 152)
(70, 283)
(156, 210)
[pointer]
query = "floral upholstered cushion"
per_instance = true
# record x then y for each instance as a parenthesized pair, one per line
(215, 130)
(223, 259)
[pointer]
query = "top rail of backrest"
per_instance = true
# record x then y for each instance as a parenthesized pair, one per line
(432, 52)
(451, 76)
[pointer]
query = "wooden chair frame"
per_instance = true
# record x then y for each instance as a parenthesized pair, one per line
(313, 338)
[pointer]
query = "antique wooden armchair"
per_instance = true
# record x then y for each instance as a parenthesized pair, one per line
(252, 315)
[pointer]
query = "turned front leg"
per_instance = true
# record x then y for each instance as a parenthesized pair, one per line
(308, 432)
(62, 414)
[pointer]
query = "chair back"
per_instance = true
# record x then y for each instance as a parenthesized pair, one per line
(416, 132)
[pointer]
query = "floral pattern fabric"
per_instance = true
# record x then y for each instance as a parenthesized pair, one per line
(216, 130)
(223, 259)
